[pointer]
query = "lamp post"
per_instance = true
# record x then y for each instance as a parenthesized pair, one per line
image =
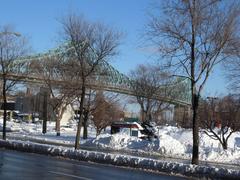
(4, 80)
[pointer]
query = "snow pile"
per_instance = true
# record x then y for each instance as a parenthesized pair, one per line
(123, 141)
(163, 145)
(11, 126)
(171, 142)
(210, 150)
(171, 146)
(123, 160)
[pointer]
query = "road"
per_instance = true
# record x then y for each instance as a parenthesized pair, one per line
(19, 165)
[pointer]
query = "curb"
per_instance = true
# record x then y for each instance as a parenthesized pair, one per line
(123, 160)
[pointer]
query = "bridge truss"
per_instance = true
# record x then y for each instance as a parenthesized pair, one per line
(107, 77)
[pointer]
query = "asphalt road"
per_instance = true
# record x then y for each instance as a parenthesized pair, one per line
(19, 165)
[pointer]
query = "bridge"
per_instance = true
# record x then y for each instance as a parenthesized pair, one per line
(107, 78)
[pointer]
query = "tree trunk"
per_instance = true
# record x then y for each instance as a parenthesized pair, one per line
(85, 131)
(58, 126)
(195, 98)
(80, 116)
(195, 150)
(144, 116)
(45, 113)
(149, 116)
(224, 144)
(59, 113)
(98, 131)
(4, 108)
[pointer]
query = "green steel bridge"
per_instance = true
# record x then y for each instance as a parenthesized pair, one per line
(107, 78)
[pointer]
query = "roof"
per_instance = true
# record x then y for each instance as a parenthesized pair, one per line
(123, 124)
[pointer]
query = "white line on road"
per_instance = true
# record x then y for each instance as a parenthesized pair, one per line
(85, 166)
(69, 175)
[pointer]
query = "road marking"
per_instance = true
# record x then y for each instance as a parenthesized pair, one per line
(85, 166)
(69, 175)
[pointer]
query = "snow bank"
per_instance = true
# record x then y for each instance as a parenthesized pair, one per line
(163, 145)
(172, 141)
(123, 160)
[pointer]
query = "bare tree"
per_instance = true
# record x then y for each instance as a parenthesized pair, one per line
(92, 44)
(12, 48)
(220, 118)
(102, 109)
(149, 81)
(182, 116)
(232, 68)
(105, 111)
(55, 73)
(87, 109)
(195, 35)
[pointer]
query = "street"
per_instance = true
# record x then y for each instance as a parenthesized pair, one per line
(19, 165)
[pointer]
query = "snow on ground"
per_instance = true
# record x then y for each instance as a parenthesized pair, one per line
(197, 171)
(172, 142)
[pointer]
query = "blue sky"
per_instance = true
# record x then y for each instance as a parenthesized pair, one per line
(38, 20)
